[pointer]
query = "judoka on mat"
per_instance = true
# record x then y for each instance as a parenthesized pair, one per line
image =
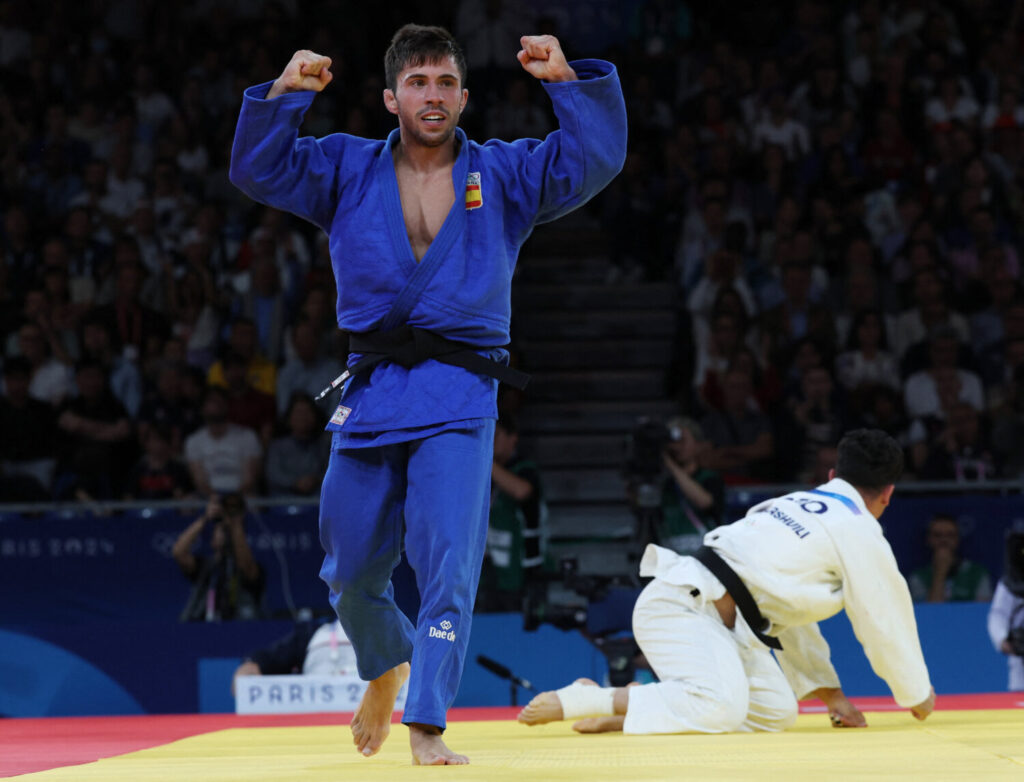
(790, 563)
(425, 228)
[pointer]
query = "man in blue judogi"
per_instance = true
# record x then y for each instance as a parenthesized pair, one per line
(425, 228)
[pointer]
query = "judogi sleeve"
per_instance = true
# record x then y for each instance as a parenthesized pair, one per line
(272, 165)
(572, 164)
(878, 604)
(805, 660)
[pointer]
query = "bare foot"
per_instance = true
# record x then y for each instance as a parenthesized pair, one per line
(371, 723)
(546, 707)
(600, 724)
(428, 748)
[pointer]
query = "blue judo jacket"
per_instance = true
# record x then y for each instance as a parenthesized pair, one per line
(461, 288)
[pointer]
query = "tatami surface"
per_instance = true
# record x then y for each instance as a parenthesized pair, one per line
(986, 744)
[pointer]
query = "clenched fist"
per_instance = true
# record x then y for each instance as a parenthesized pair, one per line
(306, 71)
(542, 57)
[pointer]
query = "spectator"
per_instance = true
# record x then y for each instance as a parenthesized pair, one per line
(29, 438)
(193, 317)
(96, 446)
(124, 376)
(1008, 425)
(516, 534)
(922, 392)
(227, 581)
(797, 316)
(242, 340)
(296, 461)
(158, 475)
(61, 340)
(166, 407)
(309, 371)
(866, 361)
(948, 576)
(247, 406)
(263, 303)
(52, 381)
(135, 326)
(817, 419)
(779, 127)
(740, 434)
(930, 309)
(962, 451)
(309, 649)
(693, 498)
(221, 456)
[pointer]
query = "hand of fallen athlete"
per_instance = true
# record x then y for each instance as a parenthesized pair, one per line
(306, 71)
(542, 57)
(841, 712)
(925, 707)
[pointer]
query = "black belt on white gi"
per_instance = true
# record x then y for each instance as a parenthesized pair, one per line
(735, 587)
(409, 346)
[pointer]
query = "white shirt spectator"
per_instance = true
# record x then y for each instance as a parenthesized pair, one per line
(224, 460)
(921, 395)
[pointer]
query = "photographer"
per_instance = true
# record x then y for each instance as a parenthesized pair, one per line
(514, 561)
(227, 582)
(692, 500)
(1006, 616)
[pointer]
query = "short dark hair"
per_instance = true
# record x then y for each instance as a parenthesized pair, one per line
(416, 44)
(869, 459)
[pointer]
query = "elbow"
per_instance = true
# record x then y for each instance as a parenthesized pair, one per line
(236, 174)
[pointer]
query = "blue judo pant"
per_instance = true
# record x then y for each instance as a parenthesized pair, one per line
(435, 494)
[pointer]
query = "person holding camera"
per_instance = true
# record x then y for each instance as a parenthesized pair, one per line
(1006, 615)
(227, 581)
(692, 500)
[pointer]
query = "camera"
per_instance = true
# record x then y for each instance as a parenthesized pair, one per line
(606, 619)
(1016, 639)
(644, 447)
(232, 505)
(592, 618)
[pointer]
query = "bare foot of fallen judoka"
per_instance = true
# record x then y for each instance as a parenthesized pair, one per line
(428, 749)
(371, 723)
(599, 724)
(546, 707)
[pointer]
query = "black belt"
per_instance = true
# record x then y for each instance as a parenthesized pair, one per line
(409, 346)
(735, 586)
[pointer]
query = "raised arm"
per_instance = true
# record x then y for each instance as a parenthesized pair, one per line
(575, 162)
(269, 162)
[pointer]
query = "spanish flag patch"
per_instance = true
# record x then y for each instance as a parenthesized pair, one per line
(474, 198)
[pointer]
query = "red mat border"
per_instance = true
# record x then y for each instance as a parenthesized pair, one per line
(29, 745)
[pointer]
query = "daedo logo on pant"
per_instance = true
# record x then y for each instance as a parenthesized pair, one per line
(445, 632)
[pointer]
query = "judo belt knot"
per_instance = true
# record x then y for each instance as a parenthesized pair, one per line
(409, 346)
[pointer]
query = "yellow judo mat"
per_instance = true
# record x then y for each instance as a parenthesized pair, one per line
(980, 746)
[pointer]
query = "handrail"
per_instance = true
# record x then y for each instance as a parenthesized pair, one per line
(734, 494)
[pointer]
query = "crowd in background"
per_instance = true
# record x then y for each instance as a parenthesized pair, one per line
(835, 189)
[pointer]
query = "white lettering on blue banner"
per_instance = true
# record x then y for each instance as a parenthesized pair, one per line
(302, 694)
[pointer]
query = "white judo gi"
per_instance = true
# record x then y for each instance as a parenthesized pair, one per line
(1007, 610)
(804, 557)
